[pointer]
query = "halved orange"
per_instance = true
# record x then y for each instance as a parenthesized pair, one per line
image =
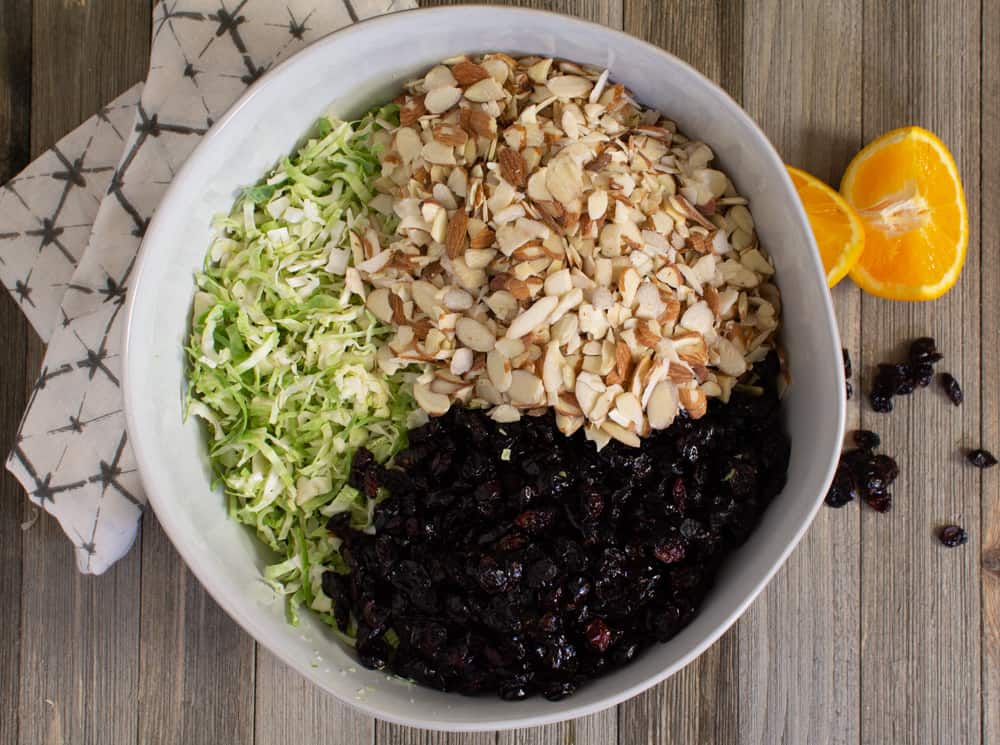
(906, 189)
(837, 229)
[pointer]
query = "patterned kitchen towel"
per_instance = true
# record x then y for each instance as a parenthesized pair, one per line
(72, 453)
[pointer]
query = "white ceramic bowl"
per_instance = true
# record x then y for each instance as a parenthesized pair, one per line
(349, 71)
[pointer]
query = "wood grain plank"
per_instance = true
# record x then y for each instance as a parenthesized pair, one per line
(15, 142)
(700, 703)
(196, 683)
(79, 635)
(394, 734)
(920, 664)
(989, 218)
(290, 709)
(608, 12)
(707, 34)
(15, 86)
(798, 643)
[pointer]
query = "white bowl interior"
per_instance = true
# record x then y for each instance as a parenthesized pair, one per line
(347, 72)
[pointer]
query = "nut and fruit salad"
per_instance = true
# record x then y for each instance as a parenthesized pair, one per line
(560, 246)
(493, 370)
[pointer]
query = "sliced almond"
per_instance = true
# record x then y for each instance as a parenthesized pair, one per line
(411, 111)
(588, 389)
(569, 86)
(539, 71)
(479, 122)
(563, 178)
(731, 360)
(505, 414)
(378, 303)
(512, 167)
(435, 404)
(621, 434)
(474, 335)
(661, 408)
(530, 319)
(483, 239)
(526, 389)
(503, 304)
(455, 235)
(568, 425)
(694, 402)
(461, 361)
(536, 186)
(484, 90)
(499, 370)
(398, 310)
(440, 100)
(558, 283)
(438, 76)
(467, 73)
(698, 318)
(597, 204)
(425, 296)
(450, 134)
(457, 300)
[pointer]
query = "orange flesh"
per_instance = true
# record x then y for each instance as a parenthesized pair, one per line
(830, 226)
(907, 192)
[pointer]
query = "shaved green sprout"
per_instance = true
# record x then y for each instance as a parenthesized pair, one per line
(282, 364)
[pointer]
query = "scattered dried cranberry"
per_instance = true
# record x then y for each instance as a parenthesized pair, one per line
(866, 439)
(881, 402)
(952, 536)
(885, 467)
(923, 374)
(848, 390)
(879, 501)
(981, 458)
(922, 350)
(847, 362)
(952, 388)
(902, 378)
(842, 490)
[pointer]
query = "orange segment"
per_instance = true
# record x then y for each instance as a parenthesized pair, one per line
(906, 189)
(838, 230)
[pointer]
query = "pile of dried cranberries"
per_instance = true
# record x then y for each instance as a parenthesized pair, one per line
(510, 558)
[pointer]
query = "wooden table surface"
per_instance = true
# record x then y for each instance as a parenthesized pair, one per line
(871, 633)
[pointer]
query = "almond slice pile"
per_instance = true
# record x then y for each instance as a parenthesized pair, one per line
(560, 246)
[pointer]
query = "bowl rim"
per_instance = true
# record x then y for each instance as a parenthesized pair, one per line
(159, 501)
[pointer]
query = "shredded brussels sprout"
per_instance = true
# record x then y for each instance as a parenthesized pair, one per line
(282, 354)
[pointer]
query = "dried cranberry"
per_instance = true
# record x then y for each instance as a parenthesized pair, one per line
(866, 439)
(847, 362)
(598, 635)
(848, 390)
(981, 458)
(670, 551)
(879, 501)
(515, 688)
(952, 536)
(923, 374)
(842, 490)
(535, 521)
(558, 690)
(885, 467)
(952, 388)
(922, 349)
(881, 402)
